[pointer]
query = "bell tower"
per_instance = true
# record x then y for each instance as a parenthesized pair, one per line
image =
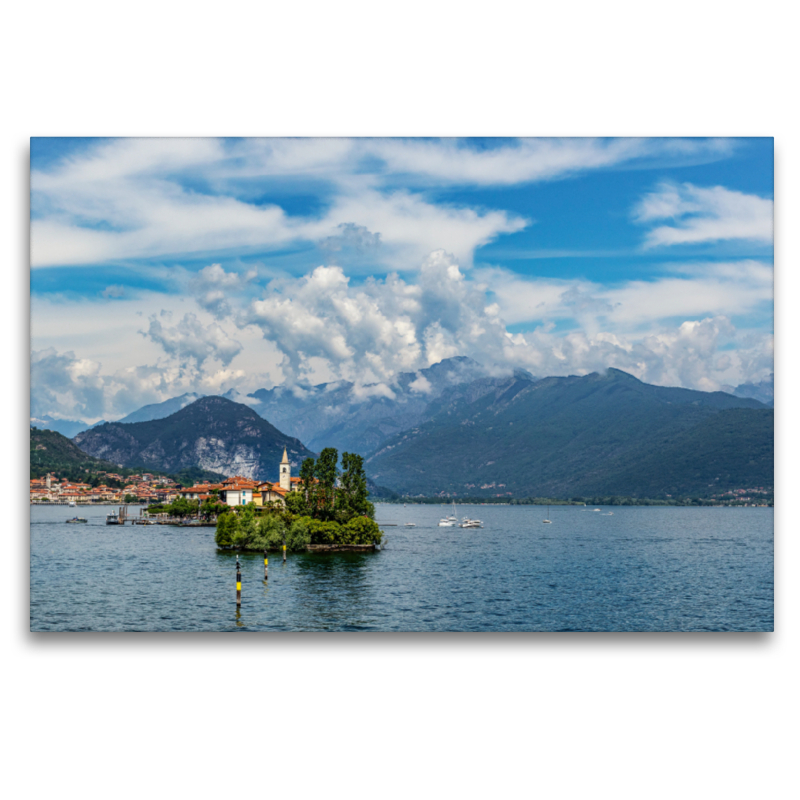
(285, 472)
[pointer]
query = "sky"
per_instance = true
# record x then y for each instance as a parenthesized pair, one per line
(165, 266)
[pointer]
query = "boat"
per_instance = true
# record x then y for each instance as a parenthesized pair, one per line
(596, 509)
(548, 520)
(410, 525)
(71, 503)
(113, 519)
(471, 523)
(77, 519)
(451, 521)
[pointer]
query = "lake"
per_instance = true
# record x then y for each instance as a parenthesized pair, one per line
(636, 569)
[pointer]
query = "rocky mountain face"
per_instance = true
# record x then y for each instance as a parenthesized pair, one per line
(212, 433)
(600, 434)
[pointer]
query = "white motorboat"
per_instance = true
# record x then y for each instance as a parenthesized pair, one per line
(410, 525)
(471, 523)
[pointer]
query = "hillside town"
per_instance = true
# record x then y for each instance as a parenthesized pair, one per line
(148, 489)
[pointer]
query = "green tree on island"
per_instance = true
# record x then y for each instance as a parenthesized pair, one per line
(326, 473)
(352, 494)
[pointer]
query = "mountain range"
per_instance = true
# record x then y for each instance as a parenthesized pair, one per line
(604, 433)
(356, 418)
(452, 428)
(212, 433)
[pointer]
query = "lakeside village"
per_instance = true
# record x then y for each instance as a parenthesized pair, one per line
(325, 508)
(147, 489)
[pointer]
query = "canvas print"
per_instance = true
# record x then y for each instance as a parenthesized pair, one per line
(401, 384)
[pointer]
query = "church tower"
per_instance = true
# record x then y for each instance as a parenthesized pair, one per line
(286, 472)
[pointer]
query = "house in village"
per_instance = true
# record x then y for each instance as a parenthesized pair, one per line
(239, 491)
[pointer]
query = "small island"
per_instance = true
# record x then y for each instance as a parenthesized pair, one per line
(326, 510)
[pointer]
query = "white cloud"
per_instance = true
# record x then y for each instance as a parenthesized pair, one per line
(421, 385)
(672, 331)
(362, 392)
(129, 198)
(700, 214)
(75, 387)
(525, 160)
(190, 339)
(379, 328)
(717, 289)
(212, 288)
(691, 290)
(370, 332)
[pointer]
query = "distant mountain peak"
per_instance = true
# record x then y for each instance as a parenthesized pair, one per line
(618, 374)
(160, 410)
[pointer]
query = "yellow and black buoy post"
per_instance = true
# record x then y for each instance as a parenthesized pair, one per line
(238, 582)
(266, 566)
(284, 551)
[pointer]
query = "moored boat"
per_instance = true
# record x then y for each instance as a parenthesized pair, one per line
(451, 521)
(77, 519)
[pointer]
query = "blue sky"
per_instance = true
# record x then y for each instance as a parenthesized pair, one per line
(165, 265)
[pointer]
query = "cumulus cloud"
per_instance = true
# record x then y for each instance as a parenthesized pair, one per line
(325, 326)
(692, 354)
(369, 332)
(213, 288)
(700, 214)
(72, 387)
(190, 339)
(372, 331)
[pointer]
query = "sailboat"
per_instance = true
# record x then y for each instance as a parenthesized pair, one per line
(451, 521)
(548, 520)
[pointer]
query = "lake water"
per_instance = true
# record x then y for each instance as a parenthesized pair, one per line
(638, 569)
